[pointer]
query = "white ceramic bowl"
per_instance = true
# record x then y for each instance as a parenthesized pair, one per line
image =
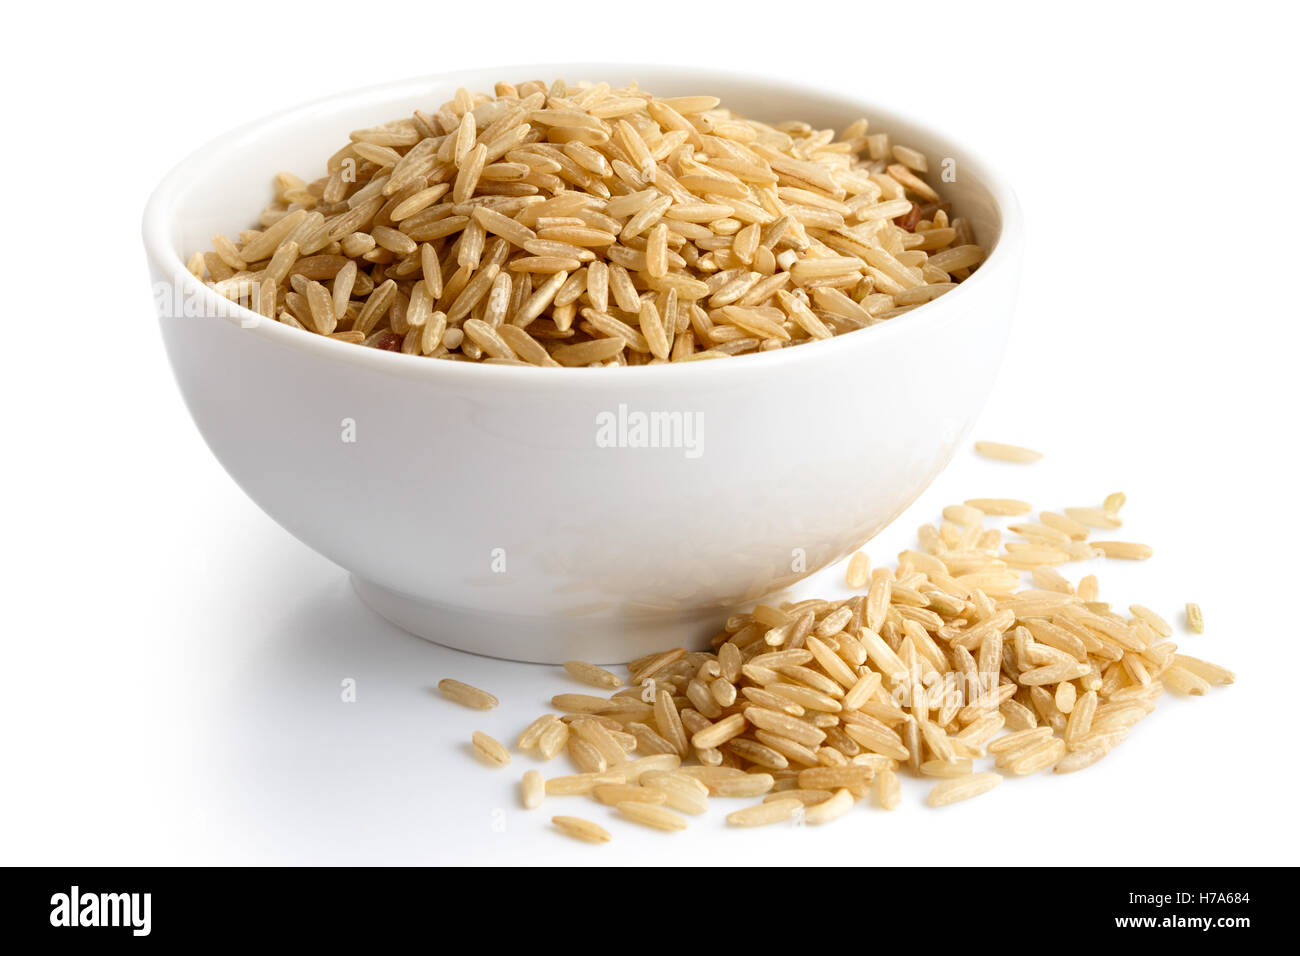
(476, 506)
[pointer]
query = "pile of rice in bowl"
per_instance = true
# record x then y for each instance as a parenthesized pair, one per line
(589, 226)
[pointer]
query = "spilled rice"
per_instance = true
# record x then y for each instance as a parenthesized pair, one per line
(971, 660)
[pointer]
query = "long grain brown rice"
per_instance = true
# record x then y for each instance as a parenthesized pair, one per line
(581, 829)
(764, 814)
(652, 815)
(828, 810)
(1127, 550)
(592, 675)
(962, 788)
(612, 794)
(490, 750)
(466, 694)
(1013, 453)
(576, 225)
(946, 662)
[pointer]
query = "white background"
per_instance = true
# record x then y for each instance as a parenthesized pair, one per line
(172, 659)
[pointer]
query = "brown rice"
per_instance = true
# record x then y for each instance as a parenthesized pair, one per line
(466, 694)
(532, 789)
(764, 814)
(652, 815)
(1013, 453)
(490, 750)
(946, 661)
(581, 829)
(592, 675)
(576, 225)
(962, 788)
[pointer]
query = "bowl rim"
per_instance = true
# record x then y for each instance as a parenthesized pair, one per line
(158, 219)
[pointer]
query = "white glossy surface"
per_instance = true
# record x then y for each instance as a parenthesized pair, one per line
(457, 471)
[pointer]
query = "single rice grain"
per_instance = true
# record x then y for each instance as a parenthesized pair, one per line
(581, 829)
(962, 788)
(888, 790)
(1002, 452)
(490, 750)
(592, 675)
(1126, 550)
(828, 810)
(1000, 506)
(652, 815)
(765, 814)
(466, 695)
(532, 789)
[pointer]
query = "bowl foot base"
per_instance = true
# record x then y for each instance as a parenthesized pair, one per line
(541, 640)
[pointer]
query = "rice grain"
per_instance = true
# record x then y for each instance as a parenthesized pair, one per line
(532, 789)
(466, 694)
(765, 814)
(962, 788)
(581, 829)
(1126, 550)
(652, 815)
(490, 750)
(592, 675)
(1012, 453)
(828, 810)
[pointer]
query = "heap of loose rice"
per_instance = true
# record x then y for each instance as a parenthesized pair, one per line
(588, 226)
(948, 659)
